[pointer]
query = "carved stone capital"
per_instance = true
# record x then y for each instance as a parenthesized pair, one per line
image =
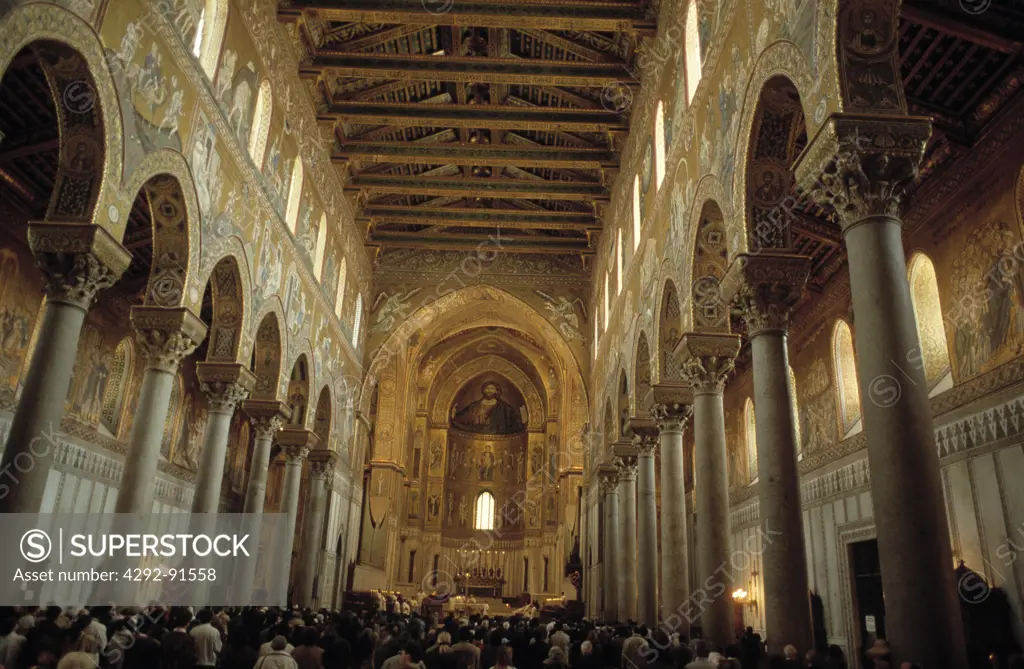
(225, 384)
(707, 360)
(626, 467)
(295, 439)
(645, 444)
(861, 165)
(322, 463)
(267, 417)
(765, 287)
(608, 479)
(671, 417)
(295, 454)
(78, 260)
(166, 335)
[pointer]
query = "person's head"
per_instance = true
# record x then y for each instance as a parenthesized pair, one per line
(89, 642)
(586, 648)
(279, 642)
(750, 630)
(465, 633)
(491, 390)
(790, 652)
(412, 654)
(204, 616)
(702, 648)
(309, 636)
(444, 639)
(556, 656)
(504, 656)
(77, 660)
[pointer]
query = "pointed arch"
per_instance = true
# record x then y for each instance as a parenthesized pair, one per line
(844, 363)
(796, 411)
(121, 370)
(609, 424)
(750, 438)
(259, 134)
(710, 262)
(209, 37)
(226, 287)
(623, 405)
(321, 246)
(298, 391)
(171, 421)
(660, 145)
(924, 295)
(266, 358)
(692, 55)
(322, 419)
(670, 323)
(291, 216)
(641, 374)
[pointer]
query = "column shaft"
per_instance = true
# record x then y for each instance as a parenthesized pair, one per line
(913, 534)
(712, 600)
(312, 534)
(786, 600)
(611, 552)
(211, 467)
(675, 573)
(135, 494)
(290, 507)
(31, 443)
(626, 576)
(256, 488)
(647, 548)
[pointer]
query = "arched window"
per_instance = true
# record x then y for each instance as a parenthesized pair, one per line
(260, 131)
(339, 299)
(659, 146)
(924, 295)
(484, 511)
(750, 435)
(174, 406)
(796, 410)
(291, 216)
(692, 44)
(847, 387)
(636, 212)
(358, 320)
(209, 36)
(618, 262)
(113, 396)
(321, 245)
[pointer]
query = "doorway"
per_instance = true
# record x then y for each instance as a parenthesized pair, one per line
(868, 596)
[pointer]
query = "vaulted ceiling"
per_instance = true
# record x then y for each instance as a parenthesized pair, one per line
(454, 119)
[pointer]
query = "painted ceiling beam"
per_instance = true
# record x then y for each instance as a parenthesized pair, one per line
(580, 15)
(490, 243)
(517, 219)
(497, 117)
(479, 187)
(467, 69)
(472, 154)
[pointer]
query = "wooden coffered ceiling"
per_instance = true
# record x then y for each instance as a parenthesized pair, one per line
(456, 120)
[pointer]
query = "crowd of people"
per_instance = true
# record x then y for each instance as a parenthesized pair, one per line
(270, 638)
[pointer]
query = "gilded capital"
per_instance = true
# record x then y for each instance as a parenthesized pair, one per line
(671, 417)
(707, 360)
(166, 335)
(765, 287)
(78, 259)
(224, 384)
(861, 164)
(267, 417)
(646, 445)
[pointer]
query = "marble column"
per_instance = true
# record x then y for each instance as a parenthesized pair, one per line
(225, 385)
(321, 470)
(875, 159)
(707, 360)
(675, 552)
(296, 443)
(72, 281)
(166, 336)
(266, 417)
(626, 576)
(647, 529)
(768, 286)
(610, 504)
